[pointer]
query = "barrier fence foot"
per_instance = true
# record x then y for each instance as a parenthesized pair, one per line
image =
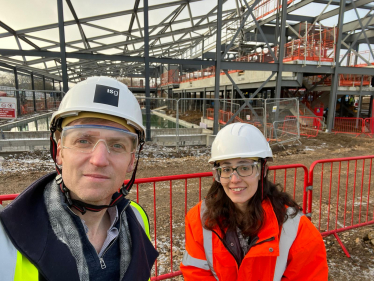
(341, 245)
(167, 276)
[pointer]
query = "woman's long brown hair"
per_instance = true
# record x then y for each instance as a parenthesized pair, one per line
(222, 212)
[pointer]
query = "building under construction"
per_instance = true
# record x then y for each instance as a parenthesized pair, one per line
(223, 59)
(289, 67)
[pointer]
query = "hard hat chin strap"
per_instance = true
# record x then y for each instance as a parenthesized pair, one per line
(263, 170)
(83, 207)
(53, 148)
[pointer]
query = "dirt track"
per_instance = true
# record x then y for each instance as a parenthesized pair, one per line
(19, 171)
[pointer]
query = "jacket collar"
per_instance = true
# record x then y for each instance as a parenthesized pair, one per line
(270, 226)
(26, 222)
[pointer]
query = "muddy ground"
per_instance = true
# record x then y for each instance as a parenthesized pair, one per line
(21, 170)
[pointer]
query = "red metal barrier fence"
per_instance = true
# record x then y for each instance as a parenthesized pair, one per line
(173, 196)
(341, 193)
(294, 180)
(348, 125)
(336, 190)
(309, 126)
(368, 127)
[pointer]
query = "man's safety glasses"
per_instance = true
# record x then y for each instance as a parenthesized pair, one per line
(85, 139)
(246, 170)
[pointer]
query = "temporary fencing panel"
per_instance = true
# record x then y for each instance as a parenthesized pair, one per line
(309, 126)
(341, 194)
(294, 180)
(228, 107)
(283, 130)
(334, 194)
(7, 197)
(173, 196)
(348, 125)
(368, 127)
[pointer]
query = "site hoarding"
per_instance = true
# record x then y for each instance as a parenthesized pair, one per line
(8, 108)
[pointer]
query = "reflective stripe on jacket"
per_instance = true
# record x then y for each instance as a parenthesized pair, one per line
(29, 249)
(297, 253)
(16, 267)
(141, 216)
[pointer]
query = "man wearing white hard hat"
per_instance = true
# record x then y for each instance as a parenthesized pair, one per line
(247, 228)
(73, 224)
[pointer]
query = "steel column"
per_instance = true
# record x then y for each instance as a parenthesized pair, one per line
(146, 62)
(356, 57)
(232, 97)
(45, 94)
(281, 48)
(370, 107)
(204, 103)
(360, 98)
(61, 29)
(218, 67)
(202, 52)
(33, 91)
(335, 76)
(16, 84)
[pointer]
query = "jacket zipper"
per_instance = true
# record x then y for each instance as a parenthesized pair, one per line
(101, 259)
(259, 243)
(102, 263)
(252, 244)
(224, 244)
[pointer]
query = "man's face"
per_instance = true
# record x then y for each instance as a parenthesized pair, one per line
(94, 177)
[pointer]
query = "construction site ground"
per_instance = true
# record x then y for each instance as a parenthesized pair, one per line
(20, 170)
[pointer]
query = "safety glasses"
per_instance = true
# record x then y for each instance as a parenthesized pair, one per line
(246, 170)
(85, 139)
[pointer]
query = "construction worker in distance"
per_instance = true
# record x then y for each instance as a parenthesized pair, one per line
(73, 224)
(247, 228)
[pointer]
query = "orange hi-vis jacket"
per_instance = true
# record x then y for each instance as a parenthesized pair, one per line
(297, 253)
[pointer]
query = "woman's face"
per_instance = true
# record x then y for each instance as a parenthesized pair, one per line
(240, 189)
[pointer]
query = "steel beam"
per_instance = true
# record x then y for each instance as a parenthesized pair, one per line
(16, 85)
(337, 3)
(362, 26)
(281, 49)
(355, 25)
(324, 69)
(81, 31)
(218, 67)
(14, 33)
(335, 78)
(61, 28)
(242, 22)
(360, 99)
(246, 101)
(258, 66)
(146, 62)
(99, 17)
(355, 92)
(33, 90)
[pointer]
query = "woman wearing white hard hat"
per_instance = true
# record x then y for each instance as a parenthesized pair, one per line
(247, 228)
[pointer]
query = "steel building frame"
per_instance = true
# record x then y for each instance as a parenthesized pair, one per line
(129, 60)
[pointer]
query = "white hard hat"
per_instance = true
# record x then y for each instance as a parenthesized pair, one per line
(240, 140)
(101, 95)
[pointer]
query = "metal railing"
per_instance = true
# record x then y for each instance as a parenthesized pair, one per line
(334, 193)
